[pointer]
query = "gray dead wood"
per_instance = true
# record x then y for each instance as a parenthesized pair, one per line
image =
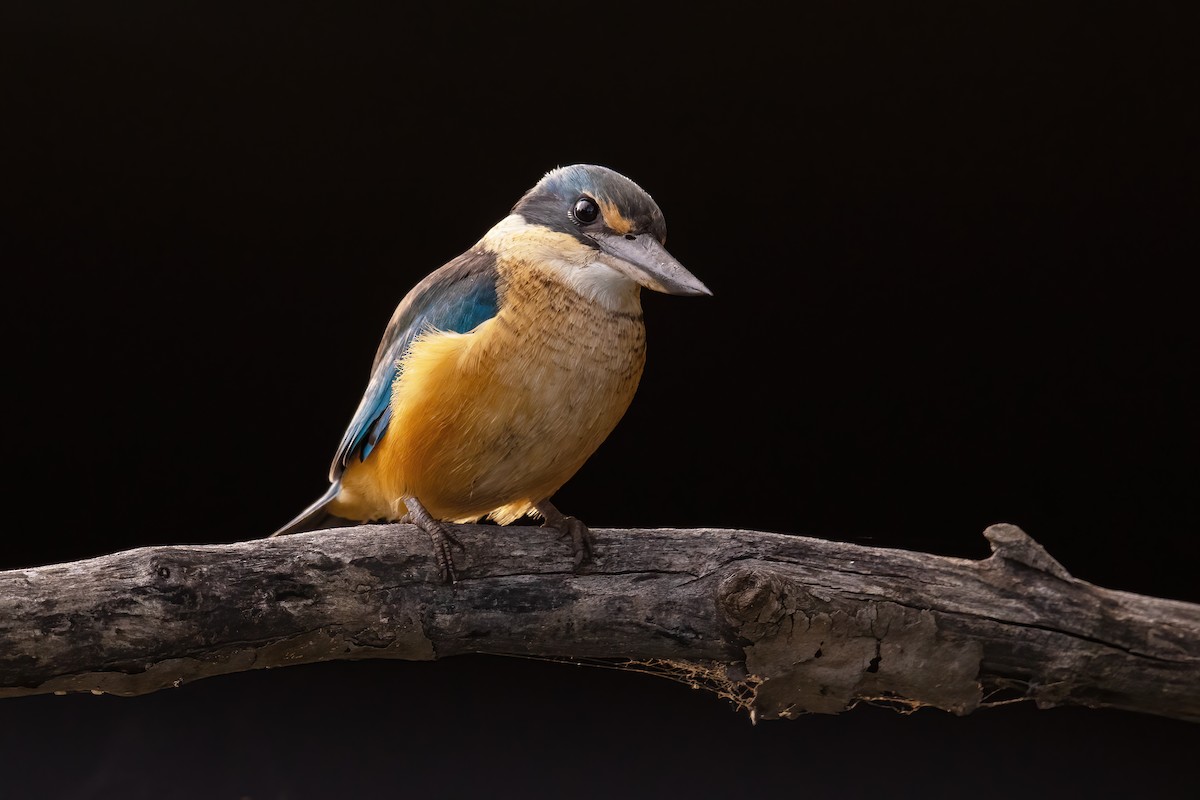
(782, 625)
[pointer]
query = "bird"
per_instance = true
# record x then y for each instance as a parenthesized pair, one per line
(501, 372)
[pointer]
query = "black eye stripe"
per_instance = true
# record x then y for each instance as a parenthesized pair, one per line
(585, 211)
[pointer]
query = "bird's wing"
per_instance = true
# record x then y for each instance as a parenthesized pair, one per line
(457, 298)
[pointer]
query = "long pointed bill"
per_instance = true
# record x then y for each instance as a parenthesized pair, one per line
(648, 263)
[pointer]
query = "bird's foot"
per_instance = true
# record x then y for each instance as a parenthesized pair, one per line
(582, 543)
(439, 534)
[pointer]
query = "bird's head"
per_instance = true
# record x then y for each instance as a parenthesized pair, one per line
(617, 222)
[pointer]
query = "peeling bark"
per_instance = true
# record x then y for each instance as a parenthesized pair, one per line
(783, 625)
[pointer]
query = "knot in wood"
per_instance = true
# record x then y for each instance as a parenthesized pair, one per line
(1012, 545)
(752, 600)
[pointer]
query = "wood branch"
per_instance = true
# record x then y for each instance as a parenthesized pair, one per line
(782, 624)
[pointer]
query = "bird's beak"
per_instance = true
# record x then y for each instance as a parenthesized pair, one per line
(649, 264)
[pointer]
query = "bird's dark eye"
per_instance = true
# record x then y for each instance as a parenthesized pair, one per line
(585, 210)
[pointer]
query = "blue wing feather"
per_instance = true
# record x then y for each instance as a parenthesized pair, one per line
(457, 297)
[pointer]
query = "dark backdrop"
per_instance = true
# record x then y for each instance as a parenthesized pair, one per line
(948, 245)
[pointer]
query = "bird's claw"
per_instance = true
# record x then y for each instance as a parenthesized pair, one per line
(442, 541)
(441, 537)
(582, 543)
(581, 540)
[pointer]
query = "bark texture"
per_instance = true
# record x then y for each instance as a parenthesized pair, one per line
(782, 625)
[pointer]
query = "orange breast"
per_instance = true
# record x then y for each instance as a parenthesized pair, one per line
(491, 421)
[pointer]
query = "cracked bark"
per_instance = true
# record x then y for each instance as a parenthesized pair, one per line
(782, 625)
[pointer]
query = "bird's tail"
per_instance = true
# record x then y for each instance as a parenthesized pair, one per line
(315, 516)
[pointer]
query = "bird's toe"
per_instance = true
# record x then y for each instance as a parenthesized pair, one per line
(442, 541)
(581, 540)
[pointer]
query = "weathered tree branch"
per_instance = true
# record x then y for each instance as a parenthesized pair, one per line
(781, 624)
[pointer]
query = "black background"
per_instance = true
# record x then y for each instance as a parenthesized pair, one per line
(948, 245)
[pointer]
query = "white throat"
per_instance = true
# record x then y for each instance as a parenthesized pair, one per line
(594, 274)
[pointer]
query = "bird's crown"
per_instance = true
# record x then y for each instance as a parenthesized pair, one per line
(562, 198)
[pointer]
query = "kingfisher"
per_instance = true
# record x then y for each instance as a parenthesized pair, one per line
(501, 372)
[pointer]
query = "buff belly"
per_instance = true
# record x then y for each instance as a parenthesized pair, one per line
(489, 422)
